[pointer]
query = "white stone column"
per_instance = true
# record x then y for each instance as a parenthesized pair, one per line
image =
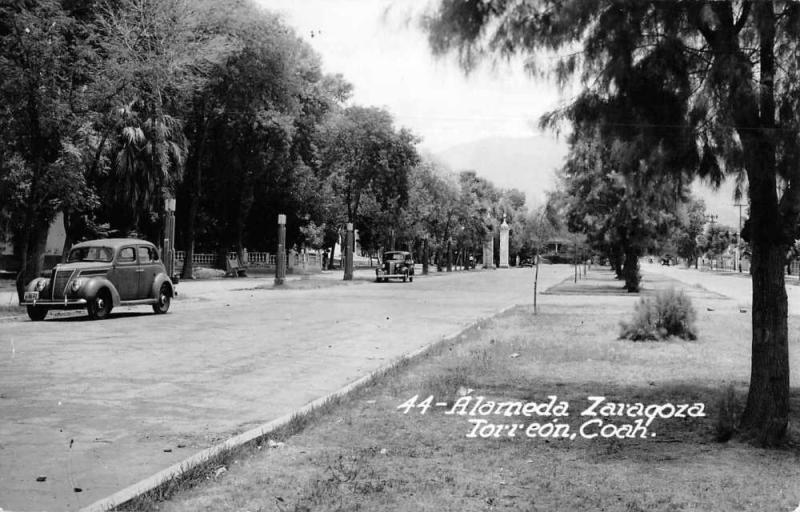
(504, 229)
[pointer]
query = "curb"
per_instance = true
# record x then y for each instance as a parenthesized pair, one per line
(176, 470)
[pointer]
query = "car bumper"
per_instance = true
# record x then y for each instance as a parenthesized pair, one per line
(382, 273)
(56, 304)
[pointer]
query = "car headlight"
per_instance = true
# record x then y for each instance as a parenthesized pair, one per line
(77, 283)
(41, 284)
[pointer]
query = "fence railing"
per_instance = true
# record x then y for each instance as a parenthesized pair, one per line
(252, 259)
(724, 265)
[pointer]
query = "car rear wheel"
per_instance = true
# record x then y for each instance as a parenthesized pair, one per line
(37, 313)
(100, 306)
(164, 300)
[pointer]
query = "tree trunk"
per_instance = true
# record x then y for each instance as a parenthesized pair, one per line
(616, 258)
(766, 414)
(191, 221)
(425, 256)
(66, 219)
(630, 270)
(31, 255)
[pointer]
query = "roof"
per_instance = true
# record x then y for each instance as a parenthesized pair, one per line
(112, 242)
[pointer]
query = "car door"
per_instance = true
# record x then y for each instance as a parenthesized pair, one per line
(149, 267)
(126, 273)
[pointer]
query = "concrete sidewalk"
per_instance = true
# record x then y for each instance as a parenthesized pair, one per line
(731, 284)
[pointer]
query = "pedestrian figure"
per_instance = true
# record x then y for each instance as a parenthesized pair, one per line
(325, 260)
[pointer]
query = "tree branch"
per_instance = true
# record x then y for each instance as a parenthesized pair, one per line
(740, 23)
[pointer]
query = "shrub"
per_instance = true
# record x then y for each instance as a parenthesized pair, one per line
(669, 313)
(727, 412)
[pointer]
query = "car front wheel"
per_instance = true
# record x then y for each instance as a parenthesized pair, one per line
(37, 313)
(163, 301)
(100, 306)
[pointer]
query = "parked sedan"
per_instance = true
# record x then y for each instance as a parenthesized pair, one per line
(397, 264)
(100, 275)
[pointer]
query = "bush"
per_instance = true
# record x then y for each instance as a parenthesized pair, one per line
(727, 412)
(669, 313)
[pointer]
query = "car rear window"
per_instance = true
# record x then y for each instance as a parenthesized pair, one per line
(127, 255)
(147, 255)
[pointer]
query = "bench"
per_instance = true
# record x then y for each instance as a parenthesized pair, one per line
(234, 268)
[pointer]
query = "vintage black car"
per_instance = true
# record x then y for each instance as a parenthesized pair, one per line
(102, 274)
(397, 264)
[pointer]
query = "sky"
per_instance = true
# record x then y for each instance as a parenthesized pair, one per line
(387, 59)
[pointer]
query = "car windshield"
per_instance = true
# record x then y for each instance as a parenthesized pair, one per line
(397, 256)
(91, 254)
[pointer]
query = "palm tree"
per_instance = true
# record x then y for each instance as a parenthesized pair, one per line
(150, 153)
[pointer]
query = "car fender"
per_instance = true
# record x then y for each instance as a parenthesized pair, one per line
(160, 279)
(93, 286)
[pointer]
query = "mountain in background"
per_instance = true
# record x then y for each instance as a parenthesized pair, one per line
(525, 163)
(529, 164)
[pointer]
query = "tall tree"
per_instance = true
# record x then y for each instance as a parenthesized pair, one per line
(740, 59)
(617, 210)
(691, 219)
(45, 68)
(156, 53)
(244, 133)
(364, 154)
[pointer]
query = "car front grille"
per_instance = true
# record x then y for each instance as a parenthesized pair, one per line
(60, 281)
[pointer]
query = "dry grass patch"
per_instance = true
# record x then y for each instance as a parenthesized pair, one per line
(365, 454)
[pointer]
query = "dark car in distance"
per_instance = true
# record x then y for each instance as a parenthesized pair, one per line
(396, 264)
(100, 275)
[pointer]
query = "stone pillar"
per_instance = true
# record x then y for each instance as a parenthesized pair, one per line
(488, 251)
(348, 253)
(280, 255)
(504, 229)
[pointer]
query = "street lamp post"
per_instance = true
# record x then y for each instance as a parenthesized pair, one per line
(169, 236)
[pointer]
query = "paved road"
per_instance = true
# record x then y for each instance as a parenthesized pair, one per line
(98, 406)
